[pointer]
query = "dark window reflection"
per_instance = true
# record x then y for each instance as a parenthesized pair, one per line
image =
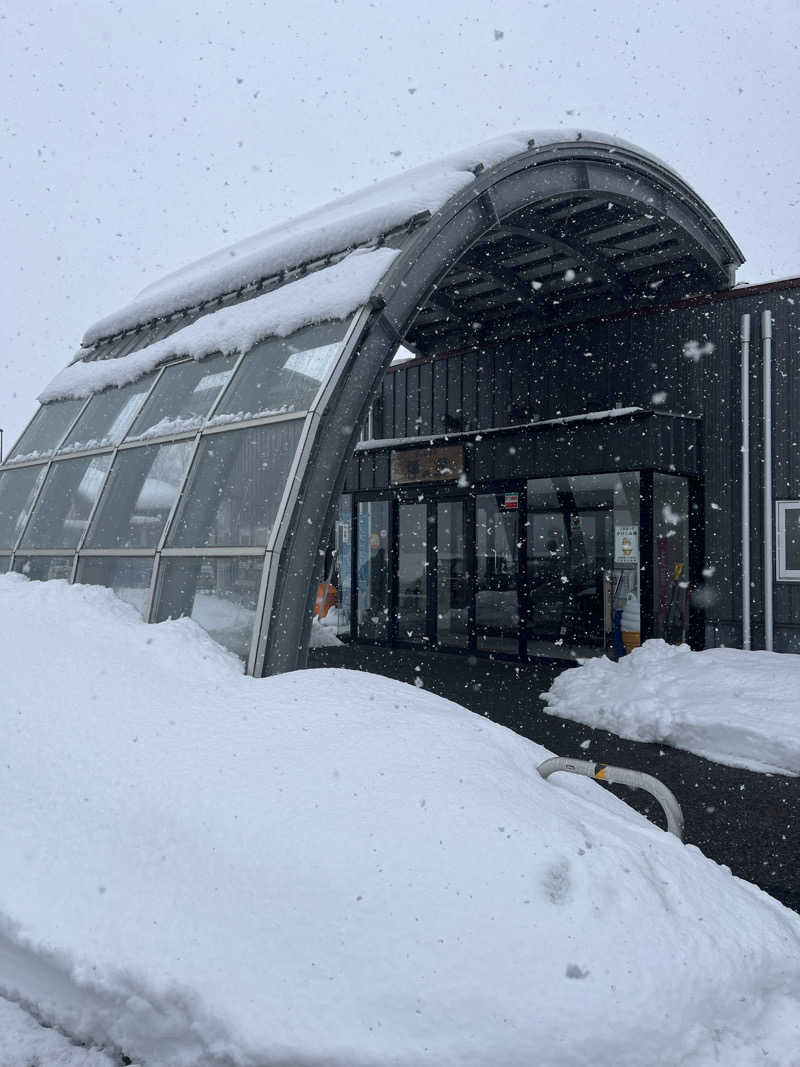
(412, 572)
(219, 593)
(452, 576)
(792, 538)
(373, 570)
(236, 486)
(497, 592)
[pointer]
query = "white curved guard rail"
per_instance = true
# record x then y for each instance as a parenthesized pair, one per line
(604, 772)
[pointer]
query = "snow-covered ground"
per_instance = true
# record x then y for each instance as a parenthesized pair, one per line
(734, 707)
(24, 1042)
(334, 868)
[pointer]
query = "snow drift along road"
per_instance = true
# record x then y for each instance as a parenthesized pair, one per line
(734, 707)
(329, 867)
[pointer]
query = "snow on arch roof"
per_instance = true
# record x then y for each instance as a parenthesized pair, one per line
(355, 220)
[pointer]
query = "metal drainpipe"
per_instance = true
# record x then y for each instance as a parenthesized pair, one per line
(766, 334)
(746, 629)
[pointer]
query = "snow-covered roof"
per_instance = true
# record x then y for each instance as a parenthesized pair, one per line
(327, 294)
(346, 223)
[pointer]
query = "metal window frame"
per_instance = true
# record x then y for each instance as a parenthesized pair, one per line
(157, 372)
(196, 436)
(784, 573)
(355, 325)
(29, 462)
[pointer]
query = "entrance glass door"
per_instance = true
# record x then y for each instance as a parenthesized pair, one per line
(583, 564)
(453, 580)
(412, 572)
(372, 571)
(497, 614)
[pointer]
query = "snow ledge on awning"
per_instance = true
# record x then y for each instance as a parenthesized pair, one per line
(325, 295)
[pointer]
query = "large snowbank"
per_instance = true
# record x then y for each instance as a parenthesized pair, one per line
(332, 293)
(330, 867)
(25, 1043)
(734, 707)
(344, 223)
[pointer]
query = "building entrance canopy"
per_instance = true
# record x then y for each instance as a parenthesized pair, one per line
(191, 455)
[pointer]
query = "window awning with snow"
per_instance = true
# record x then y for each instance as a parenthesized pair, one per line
(191, 454)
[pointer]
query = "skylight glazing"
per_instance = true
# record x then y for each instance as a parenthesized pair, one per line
(46, 430)
(108, 416)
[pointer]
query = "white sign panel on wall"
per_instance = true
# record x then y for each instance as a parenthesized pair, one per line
(626, 544)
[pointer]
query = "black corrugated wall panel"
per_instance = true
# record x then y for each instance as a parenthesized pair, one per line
(683, 359)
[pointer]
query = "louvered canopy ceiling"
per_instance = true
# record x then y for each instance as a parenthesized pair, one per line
(575, 256)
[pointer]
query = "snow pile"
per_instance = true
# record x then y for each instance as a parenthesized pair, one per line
(330, 867)
(332, 293)
(24, 1043)
(345, 223)
(734, 707)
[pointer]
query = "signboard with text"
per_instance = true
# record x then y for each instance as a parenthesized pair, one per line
(626, 544)
(445, 463)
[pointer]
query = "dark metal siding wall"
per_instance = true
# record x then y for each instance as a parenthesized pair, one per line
(627, 361)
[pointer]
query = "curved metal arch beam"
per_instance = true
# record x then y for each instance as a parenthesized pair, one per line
(289, 587)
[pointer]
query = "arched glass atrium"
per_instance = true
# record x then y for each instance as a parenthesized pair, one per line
(191, 456)
(186, 465)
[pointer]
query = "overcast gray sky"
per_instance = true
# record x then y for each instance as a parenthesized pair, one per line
(137, 137)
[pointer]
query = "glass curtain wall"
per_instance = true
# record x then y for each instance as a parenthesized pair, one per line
(171, 502)
(497, 613)
(453, 591)
(583, 564)
(412, 572)
(343, 573)
(373, 571)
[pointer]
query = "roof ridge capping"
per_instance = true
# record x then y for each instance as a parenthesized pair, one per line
(352, 221)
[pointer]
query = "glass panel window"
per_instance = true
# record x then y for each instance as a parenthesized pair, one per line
(344, 558)
(412, 572)
(4, 562)
(44, 568)
(671, 558)
(109, 415)
(139, 494)
(219, 593)
(65, 503)
(17, 490)
(183, 397)
(373, 570)
(788, 540)
(236, 486)
(583, 565)
(282, 374)
(129, 578)
(46, 429)
(452, 576)
(497, 589)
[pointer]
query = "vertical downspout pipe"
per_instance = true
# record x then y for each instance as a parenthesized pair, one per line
(746, 627)
(766, 334)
